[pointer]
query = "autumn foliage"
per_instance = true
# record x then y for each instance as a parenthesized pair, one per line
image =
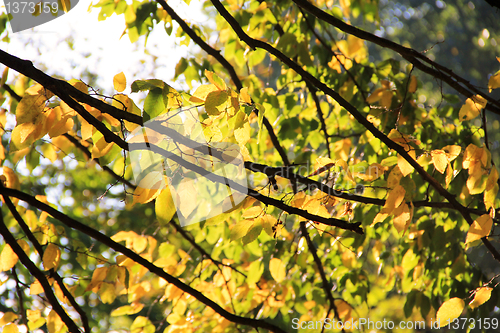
(354, 198)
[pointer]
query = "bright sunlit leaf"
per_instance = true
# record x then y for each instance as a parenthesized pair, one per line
(450, 310)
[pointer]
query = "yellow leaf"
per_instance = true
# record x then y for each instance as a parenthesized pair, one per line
(140, 244)
(471, 108)
(164, 206)
(252, 212)
(202, 92)
(440, 160)
(29, 108)
(489, 197)
(449, 310)
(120, 82)
(11, 181)
(394, 177)
(395, 198)
(33, 315)
(472, 155)
(482, 296)
(492, 179)
(480, 228)
(149, 188)
(277, 269)
(8, 317)
(186, 197)
(343, 309)
(494, 81)
(452, 152)
(242, 134)
(405, 167)
(215, 80)
(36, 288)
(10, 328)
(402, 218)
(412, 87)
(216, 102)
(321, 165)
(97, 277)
(54, 322)
(244, 96)
(349, 259)
(240, 229)
(51, 256)
(8, 258)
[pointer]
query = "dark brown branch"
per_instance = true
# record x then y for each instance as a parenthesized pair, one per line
(74, 224)
(37, 273)
(327, 286)
(52, 272)
(312, 89)
(20, 296)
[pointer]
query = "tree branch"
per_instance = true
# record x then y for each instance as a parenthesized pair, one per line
(74, 224)
(37, 273)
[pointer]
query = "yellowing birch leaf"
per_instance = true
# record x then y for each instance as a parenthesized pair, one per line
(252, 212)
(480, 228)
(405, 167)
(440, 160)
(494, 81)
(8, 317)
(395, 198)
(321, 165)
(471, 108)
(449, 310)
(402, 218)
(202, 92)
(186, 197)
(492, 179)
(54, 322)
(349, 259)
(120, 82)
(490, 196)
(244, 96)
(36, 288)
(482, 296)
(242, 134)
(343, 309)
(216, 102)
(10, 328)
(215, 80)
(8, 258)
(240, 229)
(164, 206)
(277, 269)
(452, 152)
(51, 256)
(394, 177)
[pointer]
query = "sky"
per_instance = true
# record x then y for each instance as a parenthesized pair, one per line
(97, 46)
